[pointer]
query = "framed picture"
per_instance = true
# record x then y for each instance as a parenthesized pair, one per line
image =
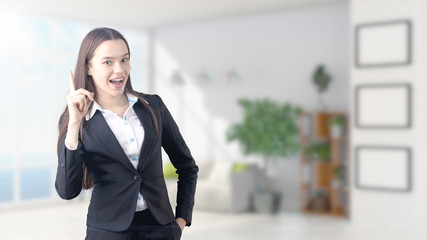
(383, 168)
(383, 44)
(383, 106)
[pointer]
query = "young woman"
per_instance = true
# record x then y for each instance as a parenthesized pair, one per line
(110, 140)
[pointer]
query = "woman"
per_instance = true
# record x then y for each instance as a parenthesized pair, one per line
(110, 139)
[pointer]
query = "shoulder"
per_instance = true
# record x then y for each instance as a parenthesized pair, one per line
(154, 101)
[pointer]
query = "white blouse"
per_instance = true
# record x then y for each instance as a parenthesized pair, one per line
(128, 132)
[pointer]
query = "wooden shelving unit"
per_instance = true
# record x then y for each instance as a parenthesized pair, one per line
(317, 178)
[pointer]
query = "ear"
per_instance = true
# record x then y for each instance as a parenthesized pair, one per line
(89, 70)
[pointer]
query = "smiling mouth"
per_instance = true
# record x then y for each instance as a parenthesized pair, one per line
(117, 81)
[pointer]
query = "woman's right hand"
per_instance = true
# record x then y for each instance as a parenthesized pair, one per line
(78, 102)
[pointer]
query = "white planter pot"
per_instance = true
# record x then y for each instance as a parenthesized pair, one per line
(266, 202)
(336, 131)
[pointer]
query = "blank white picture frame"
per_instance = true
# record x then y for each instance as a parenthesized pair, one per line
(383, 106)
(383, 168)
(383, 44)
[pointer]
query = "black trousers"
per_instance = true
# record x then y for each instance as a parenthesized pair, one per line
(143, 227)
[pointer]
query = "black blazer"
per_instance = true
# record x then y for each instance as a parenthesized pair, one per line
(117, 182)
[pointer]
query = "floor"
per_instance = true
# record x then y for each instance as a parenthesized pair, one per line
(66, 221)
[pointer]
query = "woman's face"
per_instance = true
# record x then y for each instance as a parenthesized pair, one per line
(109, 68)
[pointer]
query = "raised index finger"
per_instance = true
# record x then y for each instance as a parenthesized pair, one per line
(71, 87)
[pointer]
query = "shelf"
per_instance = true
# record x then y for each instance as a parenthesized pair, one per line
(329, 189)
(328, 213)
(305, 161)
(322, 173)
(338, 164)
(339, 140)
(341, 189)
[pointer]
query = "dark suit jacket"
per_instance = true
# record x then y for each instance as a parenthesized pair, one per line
(117, 182)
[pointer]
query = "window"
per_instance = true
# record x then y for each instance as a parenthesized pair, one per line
(36, 54)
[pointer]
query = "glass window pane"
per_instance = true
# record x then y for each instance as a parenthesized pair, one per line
(35, 93)
(6, 185)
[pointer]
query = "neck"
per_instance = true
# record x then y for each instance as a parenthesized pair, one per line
(111, 103)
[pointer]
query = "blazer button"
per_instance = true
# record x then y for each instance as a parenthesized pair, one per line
(136, 178)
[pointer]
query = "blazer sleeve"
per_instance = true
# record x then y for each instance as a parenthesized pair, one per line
(180, 156)
(69, 174)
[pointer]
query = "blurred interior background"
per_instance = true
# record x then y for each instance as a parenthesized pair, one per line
(327, 96)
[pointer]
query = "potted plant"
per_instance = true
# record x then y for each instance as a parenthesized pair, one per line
(338, 177)
(319, 202)
(321, 80)
(336, 125)
(318, 151)
(270, 130)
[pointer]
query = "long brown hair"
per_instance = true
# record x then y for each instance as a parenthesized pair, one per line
(82, 80)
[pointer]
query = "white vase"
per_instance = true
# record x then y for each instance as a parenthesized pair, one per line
(336, 131)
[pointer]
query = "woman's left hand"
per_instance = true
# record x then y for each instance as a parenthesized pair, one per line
(181, 222)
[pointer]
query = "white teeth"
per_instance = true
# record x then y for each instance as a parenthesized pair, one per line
(117, 80)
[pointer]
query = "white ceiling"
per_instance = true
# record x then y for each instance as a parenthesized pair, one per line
(152, 13)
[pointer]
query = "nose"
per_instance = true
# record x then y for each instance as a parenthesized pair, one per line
(118, 68)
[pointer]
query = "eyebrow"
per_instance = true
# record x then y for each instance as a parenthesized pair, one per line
(104, 58)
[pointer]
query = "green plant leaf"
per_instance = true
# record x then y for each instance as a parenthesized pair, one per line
(321, 78)
(267, 128)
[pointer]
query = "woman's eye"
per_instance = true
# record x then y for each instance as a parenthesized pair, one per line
(107, 62)
(125, 59)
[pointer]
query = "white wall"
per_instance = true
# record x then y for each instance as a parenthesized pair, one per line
(385, 209)
(275, 54)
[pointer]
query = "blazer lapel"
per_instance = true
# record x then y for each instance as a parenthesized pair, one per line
(146, 120)
(103, 131)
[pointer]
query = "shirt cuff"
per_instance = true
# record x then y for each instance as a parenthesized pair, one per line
(68, 146)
